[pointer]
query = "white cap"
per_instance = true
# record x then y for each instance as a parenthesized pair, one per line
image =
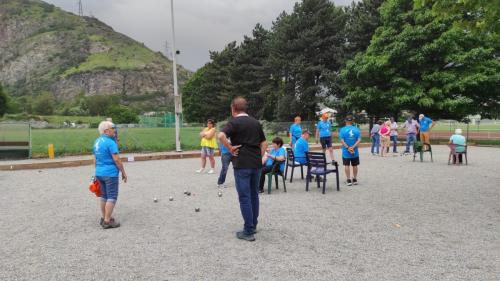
(458, 131)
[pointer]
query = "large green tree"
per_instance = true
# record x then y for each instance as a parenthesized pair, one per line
(208, 93)
(420, 62)
(250, 74)
(307, 52)
(363, 18)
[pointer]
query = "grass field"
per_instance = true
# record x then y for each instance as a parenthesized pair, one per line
(79, 141)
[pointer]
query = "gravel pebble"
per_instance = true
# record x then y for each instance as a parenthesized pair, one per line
(404, 221)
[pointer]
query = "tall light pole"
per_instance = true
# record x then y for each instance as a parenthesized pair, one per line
(177, 97)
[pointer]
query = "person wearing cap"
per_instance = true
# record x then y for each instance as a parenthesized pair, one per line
(426, 125)
(295, 131)
(350, 137)
(302, 147)
(107, 169)
(324, 134)
(458, 140)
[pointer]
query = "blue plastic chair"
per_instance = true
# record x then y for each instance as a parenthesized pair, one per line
(317, 165)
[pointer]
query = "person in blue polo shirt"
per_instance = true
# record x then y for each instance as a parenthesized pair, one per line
(324, 135)
(107, 168)
(426, 125)
(225, 156)
(302, 147)
(295, 131)
(350, 137)
(276, 153)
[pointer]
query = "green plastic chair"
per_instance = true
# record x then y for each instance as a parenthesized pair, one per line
(418, 147)
(275, 172)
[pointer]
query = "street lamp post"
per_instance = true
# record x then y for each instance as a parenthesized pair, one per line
(177, 97)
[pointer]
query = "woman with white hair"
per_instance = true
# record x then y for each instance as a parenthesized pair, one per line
(107, 169)
(458, 142)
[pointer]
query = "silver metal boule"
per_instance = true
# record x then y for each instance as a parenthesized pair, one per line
(171, 198)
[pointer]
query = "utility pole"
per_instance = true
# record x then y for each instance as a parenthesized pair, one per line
(80, 8)
(177, 97)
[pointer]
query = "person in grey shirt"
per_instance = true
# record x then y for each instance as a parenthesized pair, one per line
(374, 135)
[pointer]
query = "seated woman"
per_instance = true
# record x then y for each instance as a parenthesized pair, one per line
(457, 142)
(275, 153)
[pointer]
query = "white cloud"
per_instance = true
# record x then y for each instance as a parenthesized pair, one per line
(201, 25)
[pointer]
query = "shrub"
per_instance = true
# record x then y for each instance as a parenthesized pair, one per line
(123, 115)
(44, 104)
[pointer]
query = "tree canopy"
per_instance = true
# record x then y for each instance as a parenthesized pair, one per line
(383, 57)
(420, 62)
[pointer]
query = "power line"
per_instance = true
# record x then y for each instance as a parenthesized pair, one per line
(80, 8)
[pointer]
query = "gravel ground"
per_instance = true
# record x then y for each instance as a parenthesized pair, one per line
(405, 221)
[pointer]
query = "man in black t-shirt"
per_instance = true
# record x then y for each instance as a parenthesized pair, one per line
(248, 145)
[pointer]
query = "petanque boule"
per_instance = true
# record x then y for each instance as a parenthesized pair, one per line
(171, 198)
(196, 209)
(220, 194)
(155, 200)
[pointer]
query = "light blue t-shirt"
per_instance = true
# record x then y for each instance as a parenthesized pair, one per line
(296, 131)
(104, 148)
(460, 140)
(324, 128)
(223, 149)
(301, 148)
(277, 153)
(350, 135)
(425, 123)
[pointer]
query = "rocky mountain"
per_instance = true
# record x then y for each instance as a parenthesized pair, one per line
(46, 49)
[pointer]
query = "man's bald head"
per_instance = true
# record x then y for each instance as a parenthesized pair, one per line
(239, 105)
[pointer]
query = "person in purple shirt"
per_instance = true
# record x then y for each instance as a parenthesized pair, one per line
(411, 125)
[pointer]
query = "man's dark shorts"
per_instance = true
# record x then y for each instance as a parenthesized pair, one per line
(325, 142)
(350, 161)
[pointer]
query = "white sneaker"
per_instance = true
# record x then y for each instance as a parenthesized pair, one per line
(199, 171)
(211, 171)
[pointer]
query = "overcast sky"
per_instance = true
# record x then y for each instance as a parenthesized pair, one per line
(200, 25)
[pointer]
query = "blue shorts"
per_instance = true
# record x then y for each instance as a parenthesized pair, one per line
(325, 142)
(109, 188)
(207, 151)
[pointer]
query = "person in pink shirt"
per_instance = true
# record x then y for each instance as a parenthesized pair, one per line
(385, 139)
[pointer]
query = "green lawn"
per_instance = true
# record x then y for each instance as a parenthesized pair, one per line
(79, 141)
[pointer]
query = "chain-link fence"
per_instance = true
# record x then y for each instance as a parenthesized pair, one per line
(156, 135)
(15, 139)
